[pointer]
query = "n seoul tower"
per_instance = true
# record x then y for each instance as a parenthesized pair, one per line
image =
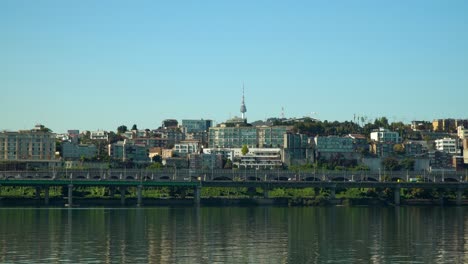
(243, 109)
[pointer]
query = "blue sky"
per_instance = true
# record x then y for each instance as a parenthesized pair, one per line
(92, 65)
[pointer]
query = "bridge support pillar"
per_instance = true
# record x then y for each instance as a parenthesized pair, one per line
(197, 194)
(139, 195)
(251, 191)
(396, 195)
(459, 196)
(70, 195)
(332, 193)
(112, 192)
(46, 195)
(123, 189)
(265, 192)
(37, 193)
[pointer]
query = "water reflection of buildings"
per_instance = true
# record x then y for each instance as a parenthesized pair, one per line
(233, 234)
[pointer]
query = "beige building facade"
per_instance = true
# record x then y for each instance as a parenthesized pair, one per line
(27, 145)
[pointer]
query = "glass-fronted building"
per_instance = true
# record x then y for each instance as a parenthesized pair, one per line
(194, 125)
(232, 137)
(253, 137)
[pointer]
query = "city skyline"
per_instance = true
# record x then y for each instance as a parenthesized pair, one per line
(93, 66)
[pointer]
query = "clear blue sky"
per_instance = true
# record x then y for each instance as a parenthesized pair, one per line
(92, 65)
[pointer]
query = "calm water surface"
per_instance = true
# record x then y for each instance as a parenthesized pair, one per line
(235, 235)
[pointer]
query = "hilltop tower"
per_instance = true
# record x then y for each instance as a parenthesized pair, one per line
(243, 109)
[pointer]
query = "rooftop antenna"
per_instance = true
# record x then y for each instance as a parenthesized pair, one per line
(282, 112)
(312, 114)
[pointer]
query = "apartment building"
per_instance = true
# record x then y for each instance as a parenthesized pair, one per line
(253, 137)
(448, 124)
(27, 145)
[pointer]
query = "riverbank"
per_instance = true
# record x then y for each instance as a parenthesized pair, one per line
(222, 201)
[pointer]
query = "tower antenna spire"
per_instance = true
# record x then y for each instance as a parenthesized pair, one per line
(243, 108)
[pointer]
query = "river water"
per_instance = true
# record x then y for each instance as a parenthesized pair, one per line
(234, 235)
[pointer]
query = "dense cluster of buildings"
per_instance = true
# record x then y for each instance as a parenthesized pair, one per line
(198, 144)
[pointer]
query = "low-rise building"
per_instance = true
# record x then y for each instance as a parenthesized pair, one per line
(447, 145)
(62, 137)
(420, 125)
(167, 153)
(73, 135)
(265, 158)
(360, 142)
(462, 132)
(99, 135)
(465, 150)
(382, 149)
(128, 151)
(414, 149)
(151, 142)
(297, 149)
(155, 151)
(226, 153)
(458, 163)
(175, 162)
(172, 136)
(205, 161)
(385, 135)
(441, 160)
(271, 136)
(202, 137)
(169, 124)
(187, 147)
(329, 146)
(71, 151)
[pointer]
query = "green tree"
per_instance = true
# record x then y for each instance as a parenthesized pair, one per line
(391, 164)
(157, 158)
(44, 129)
(155, 166)
(399, 149)
(407, 164)
(113, 137)
(134, 127)
(381, 122)
(228, 164)
(121, 129)
(244, 150)
(58, 146)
